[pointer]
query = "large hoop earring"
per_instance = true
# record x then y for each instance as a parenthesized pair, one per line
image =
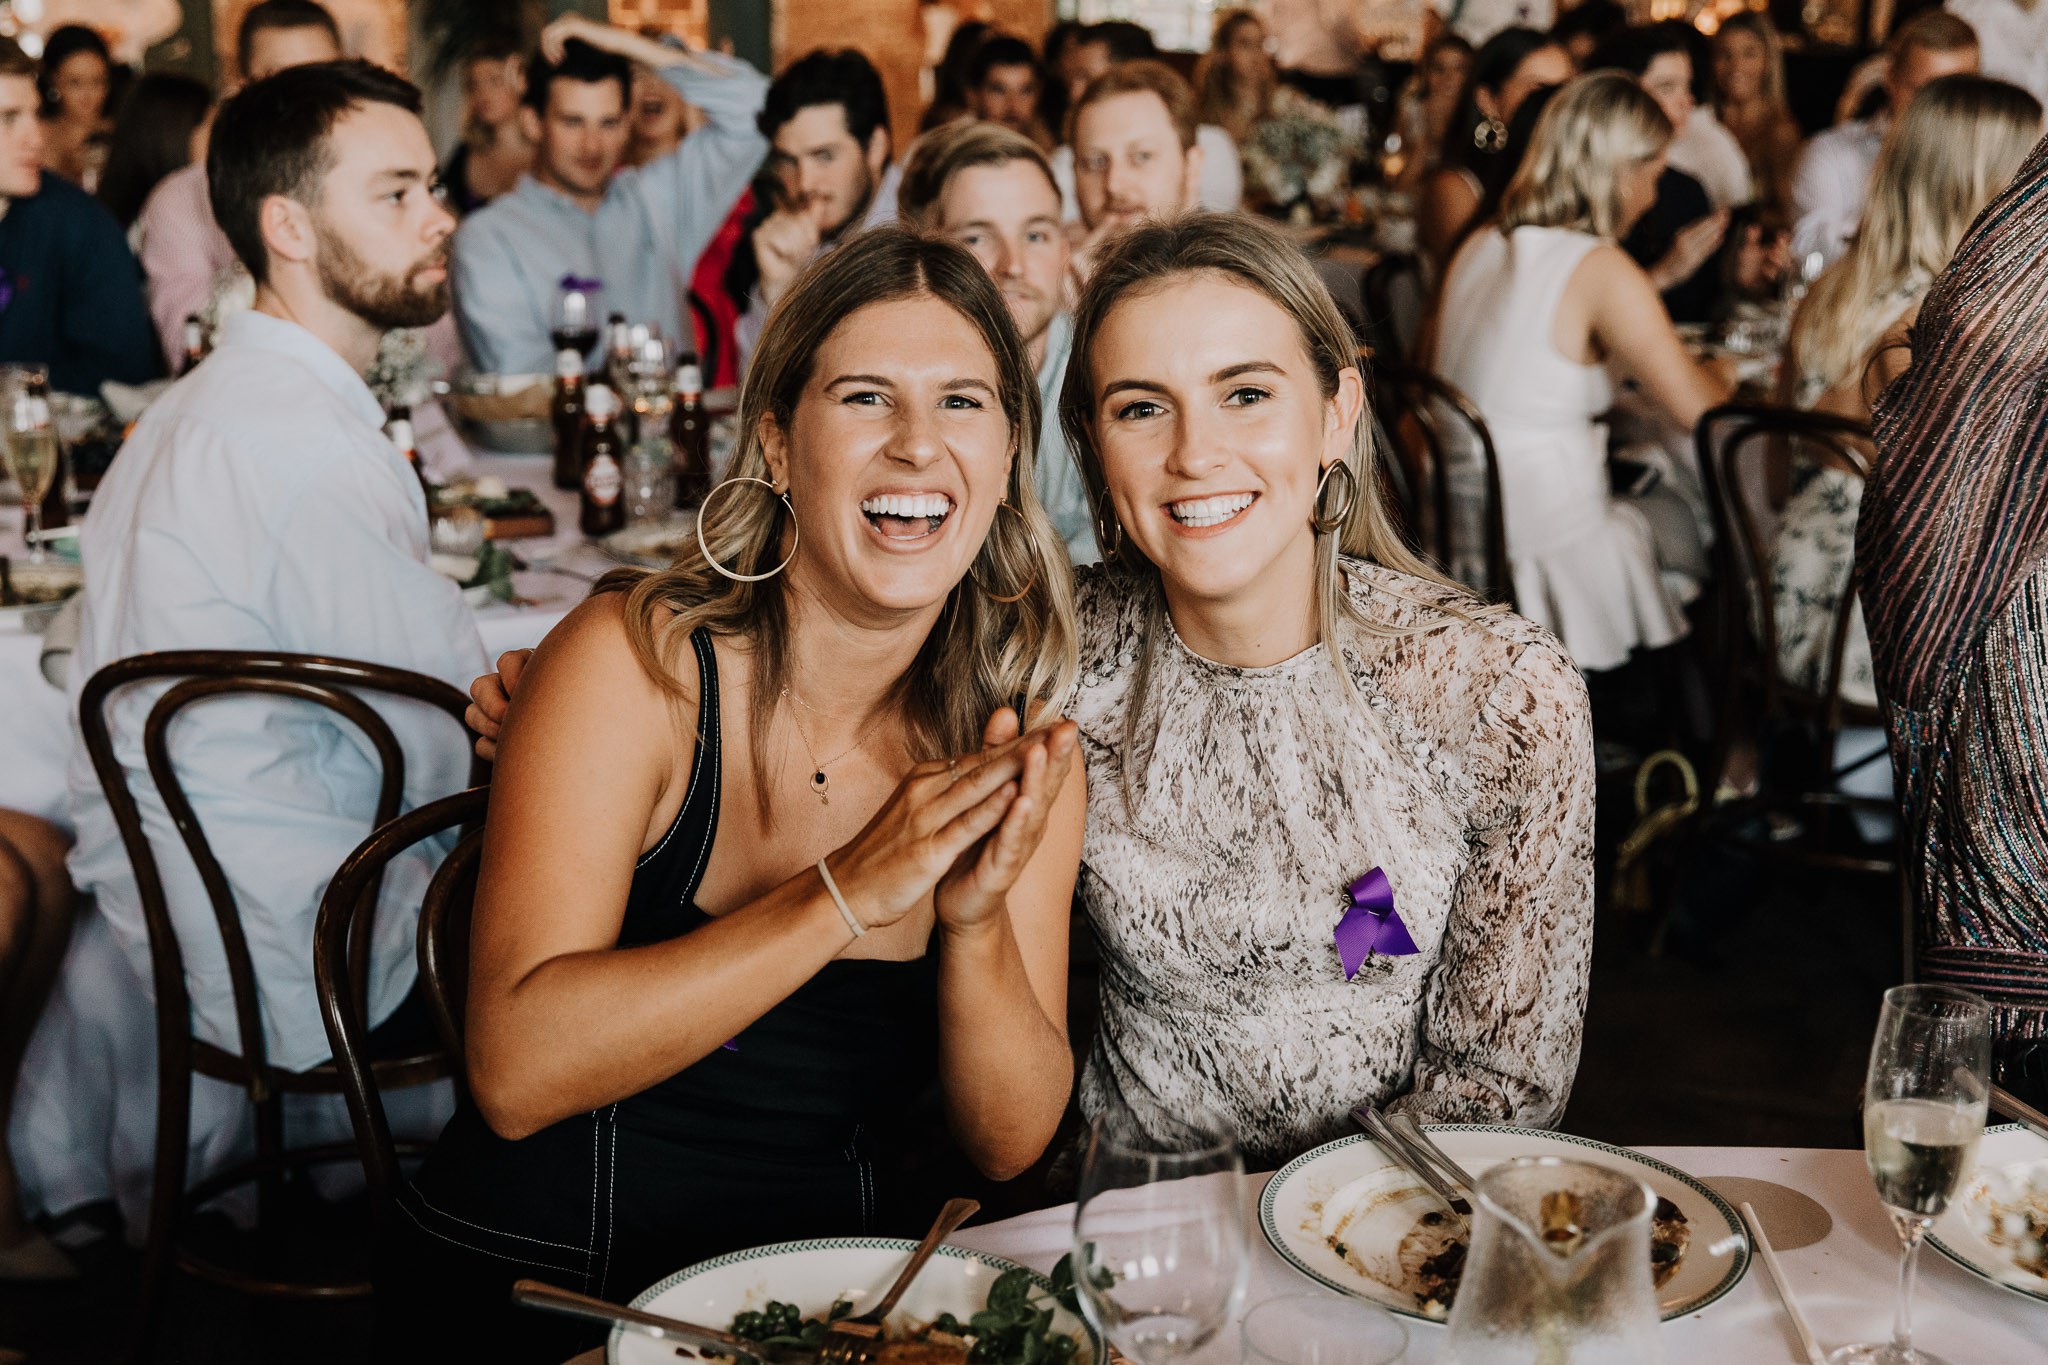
(1109, 536)
(796, 532)
(1029, 583)
(1328, 523)
(1491, 136)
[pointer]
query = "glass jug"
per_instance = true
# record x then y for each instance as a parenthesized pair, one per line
(1559, 1270)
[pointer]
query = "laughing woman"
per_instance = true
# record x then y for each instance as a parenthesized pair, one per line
(765, 851)
(1277, 699)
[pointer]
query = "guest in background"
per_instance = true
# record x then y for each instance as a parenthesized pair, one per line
(77, 81)
(1477, 159)
(1053, 94)
(1833, 178)
(1235, 80)
(2013, 37)
(259, 506)
(73, 295)
(1002, 86)
(1098, 49)
(1429, 104)
(1319, 47)
(660, 120)
(1583, 28)
(1749, 100)
(1957, 147)
(160, 129)
(1660, 57)
(1540, 314)
(830, 173)
(496, 149)
(990, 189)
(1952, 571)
(638, 231)
(949, 77)
(36, 902)
(184, 253)
(1134, 154)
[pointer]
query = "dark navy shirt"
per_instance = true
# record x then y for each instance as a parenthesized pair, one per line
(71, 293)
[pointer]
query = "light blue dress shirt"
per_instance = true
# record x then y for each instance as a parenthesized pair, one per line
(642, 242)
(1057, 477)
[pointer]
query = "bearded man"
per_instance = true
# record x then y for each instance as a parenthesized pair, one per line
(258, 506)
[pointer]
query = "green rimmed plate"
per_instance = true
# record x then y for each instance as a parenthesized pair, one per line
(1290, 1210)
(813, 1274)
(2008, 1156)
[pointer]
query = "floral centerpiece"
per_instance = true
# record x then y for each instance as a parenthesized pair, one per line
(1299, 158)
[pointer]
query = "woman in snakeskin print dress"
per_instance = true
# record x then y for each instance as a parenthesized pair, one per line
(1275, 698)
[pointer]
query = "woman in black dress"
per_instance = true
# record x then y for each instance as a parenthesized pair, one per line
(766, 851)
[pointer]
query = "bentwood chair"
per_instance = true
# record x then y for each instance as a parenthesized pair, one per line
(200, 675)
(1745, 451)
(1393, 297)
(1433, 425)
(707, 335)
(443, 946)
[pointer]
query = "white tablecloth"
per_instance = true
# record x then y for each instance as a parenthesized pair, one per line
(1844, 1282)
(35, 731)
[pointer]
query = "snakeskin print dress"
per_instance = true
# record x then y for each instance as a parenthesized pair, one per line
(1462, 765)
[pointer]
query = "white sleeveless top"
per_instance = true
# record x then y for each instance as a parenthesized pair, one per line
(1583, 562)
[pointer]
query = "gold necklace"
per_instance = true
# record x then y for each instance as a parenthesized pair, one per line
(820, 784)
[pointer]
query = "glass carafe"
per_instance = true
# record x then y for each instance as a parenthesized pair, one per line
(1559, 1270)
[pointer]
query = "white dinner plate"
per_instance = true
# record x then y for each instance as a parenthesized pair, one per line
(2007, 1151)
(54, 580)
(653, 546)
(812, 1275)
(1290, 1210)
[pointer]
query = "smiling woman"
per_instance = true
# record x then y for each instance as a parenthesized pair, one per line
(1276, 699)
(718, 949)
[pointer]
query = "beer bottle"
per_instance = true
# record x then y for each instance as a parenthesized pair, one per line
(604, 475)
(398, 426)
(566, 415)
(689, 432)
(195, 343)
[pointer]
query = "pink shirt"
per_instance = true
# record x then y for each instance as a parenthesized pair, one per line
(183, 252)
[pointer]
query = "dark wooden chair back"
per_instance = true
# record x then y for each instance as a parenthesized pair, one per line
(707, 335)
(1433, 425)
(1393, 296)
(443, 957)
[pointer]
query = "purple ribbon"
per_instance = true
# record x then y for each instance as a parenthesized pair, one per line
(729, 1045)
(6, 290)
(581, 285)
(1371, 924)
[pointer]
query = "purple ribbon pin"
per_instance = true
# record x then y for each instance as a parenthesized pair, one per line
(1371, 924)
(578, 284)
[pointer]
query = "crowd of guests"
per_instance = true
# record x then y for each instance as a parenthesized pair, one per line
(1052, 570)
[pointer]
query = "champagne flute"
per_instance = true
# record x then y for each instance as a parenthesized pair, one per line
(30, 446)
(1923, 1112)
(1161, 1255)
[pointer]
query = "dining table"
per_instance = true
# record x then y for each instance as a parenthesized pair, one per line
(36, 732)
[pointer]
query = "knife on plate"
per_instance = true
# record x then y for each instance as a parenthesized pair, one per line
(2013, 1107)
(709, 1340)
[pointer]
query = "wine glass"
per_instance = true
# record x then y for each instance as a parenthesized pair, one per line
(1160, 1249)
(1923, 1111)
(573, 324)
(30, 446)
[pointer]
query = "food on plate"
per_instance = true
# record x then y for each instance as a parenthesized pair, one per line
(1389, 1229)
(2009, 1209)
(1015, 1327)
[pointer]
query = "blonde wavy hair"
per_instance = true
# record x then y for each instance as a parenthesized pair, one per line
(1960, 143)
(1595, 128)
(1244, 251)
(982, 653)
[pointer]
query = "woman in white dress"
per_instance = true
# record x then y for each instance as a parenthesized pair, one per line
(1541, 313)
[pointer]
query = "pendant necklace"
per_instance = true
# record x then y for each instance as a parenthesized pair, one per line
(820, 784)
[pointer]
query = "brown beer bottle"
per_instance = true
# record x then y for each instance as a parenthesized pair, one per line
(689, 432)
(566, 416)
(398, 426)
(604, 473)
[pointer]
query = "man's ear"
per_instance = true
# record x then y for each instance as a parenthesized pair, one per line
(529, 123)
(879, 147)
(287, 229)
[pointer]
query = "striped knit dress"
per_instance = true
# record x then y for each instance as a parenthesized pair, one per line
(1951, 545)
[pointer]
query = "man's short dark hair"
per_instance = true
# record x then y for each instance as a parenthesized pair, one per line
(999, 49)
(1633, 49)
(1595, 19)
(272, 138)
(1126, 41)
(15, 62)
(276, 14)
(843, 77)
(580, 62)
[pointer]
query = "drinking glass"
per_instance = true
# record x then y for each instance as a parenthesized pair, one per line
(573, 326)
(1321, 1329)
(31, 445)
(1160, 1248)
(1923, 1111)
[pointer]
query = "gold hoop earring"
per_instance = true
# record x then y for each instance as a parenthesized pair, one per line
(1328, 523)
(1490, 136)
(1109, 544)
(796, 533)
(1029, 583)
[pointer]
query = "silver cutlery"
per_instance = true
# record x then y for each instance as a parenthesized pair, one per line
(852, 1339)
(1409, 1131)
(1765, 1253)
(2017, 1109)
(1377, 1128)
(534, 1294)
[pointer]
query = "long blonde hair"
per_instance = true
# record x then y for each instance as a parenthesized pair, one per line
(982, 653)
(1243, 251)
(1222, 103)
(1596, 127)
(1959, 143)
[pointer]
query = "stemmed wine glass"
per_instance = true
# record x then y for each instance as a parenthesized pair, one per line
(1160, 1249)
(572, 325)
(1923, 1112)
(31, 444)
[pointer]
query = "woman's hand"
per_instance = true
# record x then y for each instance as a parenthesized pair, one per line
(974, 889)
(489, 697)
(555, 37)
(1692, 247)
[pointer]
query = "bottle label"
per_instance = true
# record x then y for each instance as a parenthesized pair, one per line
(603, 481)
